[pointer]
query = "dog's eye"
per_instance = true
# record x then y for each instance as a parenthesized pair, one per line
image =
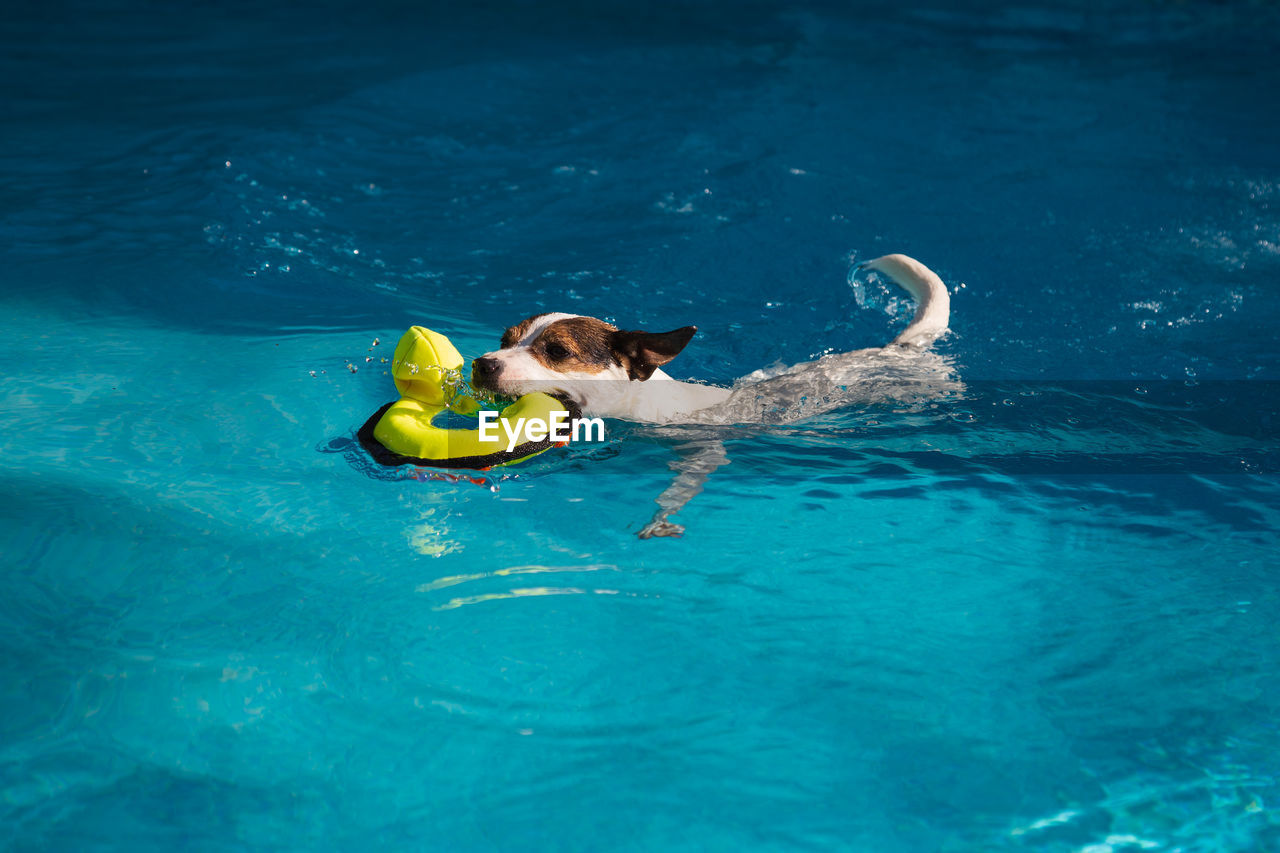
(557, 352)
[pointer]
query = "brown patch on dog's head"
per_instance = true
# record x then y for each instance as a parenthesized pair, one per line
(575, 345)
(579, 345)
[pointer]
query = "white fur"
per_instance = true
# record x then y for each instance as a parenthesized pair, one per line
(661, 399)
(933, 303)
(658, 399)
(536, 327)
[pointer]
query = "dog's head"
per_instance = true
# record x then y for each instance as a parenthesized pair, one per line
(585, 359)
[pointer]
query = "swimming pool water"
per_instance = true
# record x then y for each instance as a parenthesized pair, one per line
(1037, 614)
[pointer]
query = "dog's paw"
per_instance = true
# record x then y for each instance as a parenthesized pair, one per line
(661, 527)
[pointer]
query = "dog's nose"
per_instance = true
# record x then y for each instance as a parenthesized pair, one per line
(486, 367)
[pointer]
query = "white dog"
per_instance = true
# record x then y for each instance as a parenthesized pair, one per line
(608, 372)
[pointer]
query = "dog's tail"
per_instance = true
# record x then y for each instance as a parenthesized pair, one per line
(933, 304)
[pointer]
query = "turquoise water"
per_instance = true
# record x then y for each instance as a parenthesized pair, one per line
(1037, 614)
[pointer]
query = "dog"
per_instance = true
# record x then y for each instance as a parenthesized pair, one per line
(613, 373)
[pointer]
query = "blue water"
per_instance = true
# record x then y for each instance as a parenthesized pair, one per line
(1037, 615)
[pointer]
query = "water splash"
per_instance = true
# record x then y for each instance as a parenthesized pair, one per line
(898, 376)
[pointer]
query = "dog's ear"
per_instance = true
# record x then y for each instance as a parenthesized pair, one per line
(645, 352)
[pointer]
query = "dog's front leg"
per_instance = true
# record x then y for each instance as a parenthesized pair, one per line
(694, 462)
